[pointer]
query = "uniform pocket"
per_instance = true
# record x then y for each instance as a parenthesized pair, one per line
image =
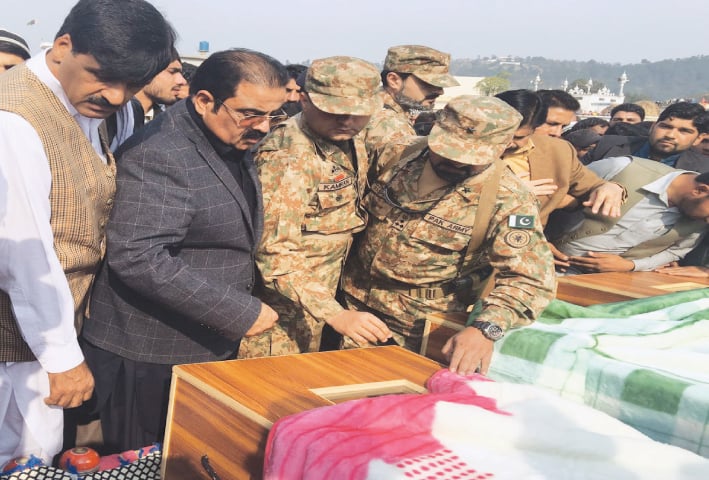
(375, 204)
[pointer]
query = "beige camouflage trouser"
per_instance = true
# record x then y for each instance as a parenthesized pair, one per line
(297, 331)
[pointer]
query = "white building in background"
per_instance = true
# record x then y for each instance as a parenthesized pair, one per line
(599, 102)
(467, 87)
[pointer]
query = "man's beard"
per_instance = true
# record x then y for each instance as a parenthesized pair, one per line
(410, 105)
(451, 175)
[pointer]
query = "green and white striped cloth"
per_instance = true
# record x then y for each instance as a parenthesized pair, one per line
(645, 362)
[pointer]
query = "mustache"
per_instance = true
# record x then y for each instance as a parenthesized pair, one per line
(253, 135)
(100, 101)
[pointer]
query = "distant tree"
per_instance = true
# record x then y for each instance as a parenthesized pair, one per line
(493, 85)
(633, 97)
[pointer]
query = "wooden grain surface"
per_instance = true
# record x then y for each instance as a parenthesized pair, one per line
(277, 386)
(225, 409)
(200, 425)
(595, 288)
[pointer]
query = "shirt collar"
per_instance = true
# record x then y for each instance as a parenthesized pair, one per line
(90, 126)
(38, 65)
(526, 149)
(659, 186)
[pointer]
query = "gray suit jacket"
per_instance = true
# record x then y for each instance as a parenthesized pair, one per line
(179, 271)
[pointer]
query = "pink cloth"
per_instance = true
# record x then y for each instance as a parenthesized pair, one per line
(109, 462)
(468, 428)
(339, 441)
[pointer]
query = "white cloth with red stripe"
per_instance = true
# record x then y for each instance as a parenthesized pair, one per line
(468, 428)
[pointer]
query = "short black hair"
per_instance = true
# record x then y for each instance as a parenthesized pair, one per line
(629, 107)
(687, 111)
(702, 178)
(130, 39)
(588, 123)
(222, 72)
(527, 103)
(641, 129)
(295, 70)
(559, 99)
(188, 70)
(556, 99)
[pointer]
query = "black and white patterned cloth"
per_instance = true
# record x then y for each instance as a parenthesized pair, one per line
(146, 468)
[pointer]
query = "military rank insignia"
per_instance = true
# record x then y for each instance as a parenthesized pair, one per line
(521, 221)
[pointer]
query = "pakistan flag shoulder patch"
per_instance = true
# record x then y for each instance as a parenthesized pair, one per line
(521, 221)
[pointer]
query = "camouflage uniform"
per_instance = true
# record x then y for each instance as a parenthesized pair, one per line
(407, 265)
(393, 124)
(390, 124)
(312, 190)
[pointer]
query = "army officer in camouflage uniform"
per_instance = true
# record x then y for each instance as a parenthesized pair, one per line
(440, 218)
(313, 172)
(413, 78)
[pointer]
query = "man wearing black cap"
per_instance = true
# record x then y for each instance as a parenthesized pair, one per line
(13, 50)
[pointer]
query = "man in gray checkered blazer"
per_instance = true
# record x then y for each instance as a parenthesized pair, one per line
(179, 273)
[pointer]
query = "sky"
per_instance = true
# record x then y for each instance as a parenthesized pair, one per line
(609, 31)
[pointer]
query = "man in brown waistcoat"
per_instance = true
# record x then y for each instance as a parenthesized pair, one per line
(57, 181)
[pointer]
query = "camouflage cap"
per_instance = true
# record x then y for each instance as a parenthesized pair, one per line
(344, 85)
(428, 64)
(474, 130)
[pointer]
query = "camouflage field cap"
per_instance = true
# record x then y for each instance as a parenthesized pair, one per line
(344, 85)
(428, 64)
(474, 130)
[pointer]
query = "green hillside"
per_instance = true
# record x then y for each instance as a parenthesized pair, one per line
(678, 78)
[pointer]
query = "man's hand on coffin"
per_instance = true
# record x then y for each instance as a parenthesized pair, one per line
(362, 327)
(468, 351)
(595, 262)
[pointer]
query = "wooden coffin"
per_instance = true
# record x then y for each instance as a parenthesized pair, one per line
(225, 409)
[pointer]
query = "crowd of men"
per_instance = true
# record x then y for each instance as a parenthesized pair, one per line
(268, 210)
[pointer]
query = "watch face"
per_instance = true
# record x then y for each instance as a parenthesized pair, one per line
(493, 332)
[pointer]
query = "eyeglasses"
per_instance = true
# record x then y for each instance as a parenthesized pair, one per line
(248, 121)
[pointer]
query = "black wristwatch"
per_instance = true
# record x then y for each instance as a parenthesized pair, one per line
(490, 330)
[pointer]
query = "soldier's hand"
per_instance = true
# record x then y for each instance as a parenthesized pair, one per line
(361, 327)
(607, 199)
(266, 319)
(70, 388)
(468, 350)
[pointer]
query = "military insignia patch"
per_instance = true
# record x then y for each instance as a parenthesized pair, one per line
(518, 239)
(521, 221)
